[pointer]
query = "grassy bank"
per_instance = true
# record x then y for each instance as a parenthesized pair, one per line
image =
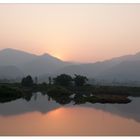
(64, 95)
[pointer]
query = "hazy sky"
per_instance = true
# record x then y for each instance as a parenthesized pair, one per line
(73, 32)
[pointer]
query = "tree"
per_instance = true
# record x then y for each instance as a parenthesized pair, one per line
(63, 80)
(80, 80)
(27, 81)
(50, 80)
(36, 80)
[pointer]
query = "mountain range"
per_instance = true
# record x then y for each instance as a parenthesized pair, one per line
(16, 64)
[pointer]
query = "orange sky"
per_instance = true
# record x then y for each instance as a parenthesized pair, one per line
(73, 32)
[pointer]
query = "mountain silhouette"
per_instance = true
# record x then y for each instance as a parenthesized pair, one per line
(15, 63)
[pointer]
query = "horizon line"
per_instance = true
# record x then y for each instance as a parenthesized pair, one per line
(46, 53)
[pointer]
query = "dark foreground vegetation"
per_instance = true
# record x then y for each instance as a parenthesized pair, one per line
(65, 89)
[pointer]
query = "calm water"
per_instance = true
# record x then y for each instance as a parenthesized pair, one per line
(42, 117)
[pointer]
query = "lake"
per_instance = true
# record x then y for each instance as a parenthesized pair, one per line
(42, 117)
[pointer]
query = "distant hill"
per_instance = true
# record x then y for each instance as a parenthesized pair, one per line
(124, 71)
(10, 72)
(91, 70)
(15, 63)
(125, 68)
(15, 57)
(34, 65)
(44, 64)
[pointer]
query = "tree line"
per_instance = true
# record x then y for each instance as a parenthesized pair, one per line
(62, 80)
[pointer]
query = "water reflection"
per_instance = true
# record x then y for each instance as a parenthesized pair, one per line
(42, 117)
(42, 104)
(130, 111)
(37, 103)
(68, 121)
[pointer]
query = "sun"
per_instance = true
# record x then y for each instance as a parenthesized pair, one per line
(59, 56)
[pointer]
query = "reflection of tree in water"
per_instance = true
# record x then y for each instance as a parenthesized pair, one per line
(42, 105)
(53, 95)
(21, 106)
(35, 96)
(28, 97)
(63, 87)
(8, 94)
(60, 94)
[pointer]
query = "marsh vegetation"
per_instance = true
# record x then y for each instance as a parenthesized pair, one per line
(65, 89)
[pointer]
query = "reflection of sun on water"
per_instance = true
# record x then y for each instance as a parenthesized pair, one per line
(89, 121)
(55, 114)
(68, 121)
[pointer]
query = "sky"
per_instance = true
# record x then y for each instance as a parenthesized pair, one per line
(71, 32)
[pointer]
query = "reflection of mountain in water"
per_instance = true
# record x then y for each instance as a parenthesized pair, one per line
(130, 111)
(41, 104)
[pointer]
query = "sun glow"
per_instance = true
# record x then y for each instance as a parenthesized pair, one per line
(74, 32)
(59, 56)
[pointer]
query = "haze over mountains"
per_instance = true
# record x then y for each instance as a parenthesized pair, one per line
(16, 64)
(28, 63)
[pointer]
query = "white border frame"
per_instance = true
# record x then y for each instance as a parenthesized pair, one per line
(70, 1)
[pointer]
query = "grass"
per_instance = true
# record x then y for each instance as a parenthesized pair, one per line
(9, 93)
